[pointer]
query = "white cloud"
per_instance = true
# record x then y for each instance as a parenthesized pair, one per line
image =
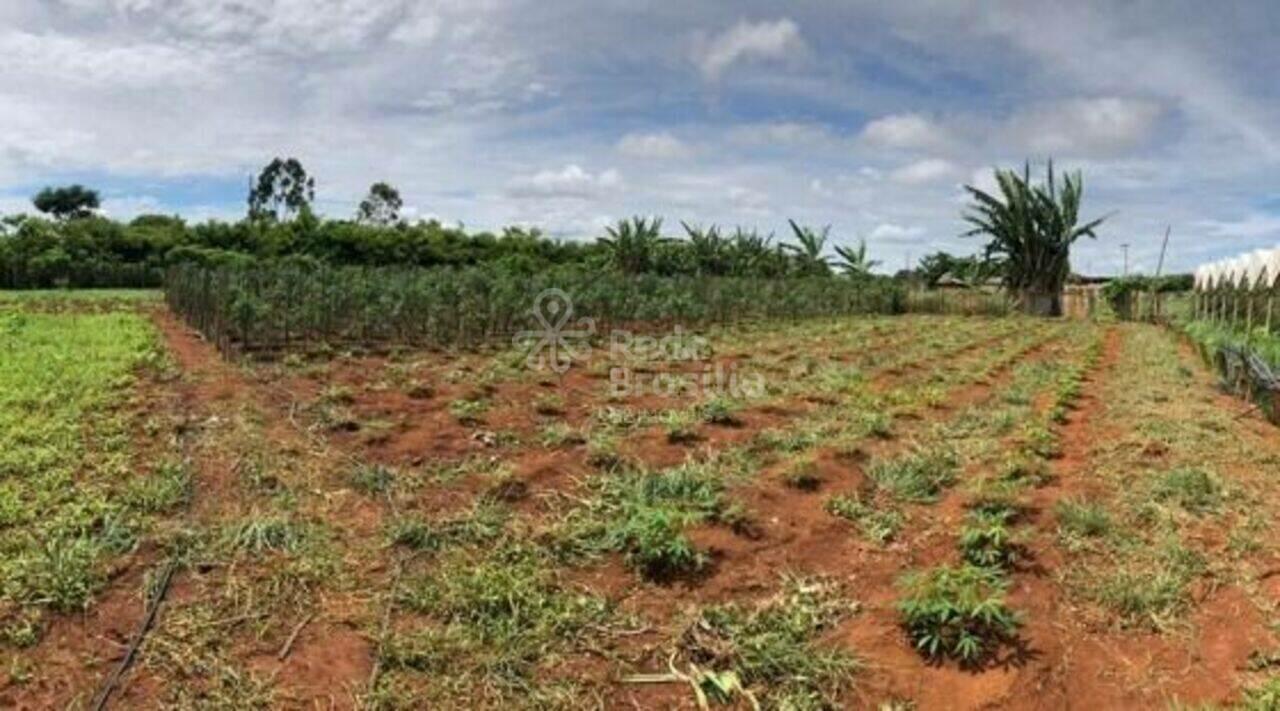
(778, 39)
(1105, 126)
(569, 182)
(418, 29)
(781, 133)
(652, 145)
(894, 233)
(1254, 226)
(928, 170)
(748, 199)
(911, 131)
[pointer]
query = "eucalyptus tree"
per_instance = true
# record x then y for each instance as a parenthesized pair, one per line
(381, 206)
(1032, 228)
(282, 191)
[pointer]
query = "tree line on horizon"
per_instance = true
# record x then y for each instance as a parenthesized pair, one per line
(1030, 228)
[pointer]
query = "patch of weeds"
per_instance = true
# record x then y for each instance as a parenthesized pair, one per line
(803, 475)
(560, 434)
(337, 395)
(1079, 519)
(483, 523)
(502, 613)
(261, 534)
(879, 524)
(602, 451)
(372, 479)
(549, 405)
(876, 424)
(165, 489)
(917, 476)
(719, 410)
(1195, 490)
(770, 654)
(788, 441)
(681, 426)
(1150, 590)
(957, 612)
(469, 411)
(63, 574)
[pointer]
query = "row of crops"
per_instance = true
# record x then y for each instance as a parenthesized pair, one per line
(304, 307)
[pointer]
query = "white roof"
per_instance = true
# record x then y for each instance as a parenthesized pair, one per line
(1273, 267)
(1255, 265)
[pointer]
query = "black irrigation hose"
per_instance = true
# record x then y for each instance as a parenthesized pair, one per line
(111, 682)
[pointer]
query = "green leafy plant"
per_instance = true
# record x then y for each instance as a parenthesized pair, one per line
(987, 538)
(957, 612)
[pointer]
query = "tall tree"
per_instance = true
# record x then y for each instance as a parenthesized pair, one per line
(283, 190)
(68, 202)
(1033, 228)
(381, 206)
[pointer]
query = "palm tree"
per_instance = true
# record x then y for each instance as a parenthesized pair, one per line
(709, 248)
(807, 255)
(1032, 227)
(632, 244)
(854, 262)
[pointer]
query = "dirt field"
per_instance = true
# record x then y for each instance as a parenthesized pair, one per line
(434, 530)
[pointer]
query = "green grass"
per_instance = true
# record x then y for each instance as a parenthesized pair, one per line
(70, 497)
(1193, 489)
(1079, 519)
(82, 296)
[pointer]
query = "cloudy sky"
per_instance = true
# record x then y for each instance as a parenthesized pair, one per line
(568, 114)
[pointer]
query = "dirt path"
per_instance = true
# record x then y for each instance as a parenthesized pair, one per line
(323, 624)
